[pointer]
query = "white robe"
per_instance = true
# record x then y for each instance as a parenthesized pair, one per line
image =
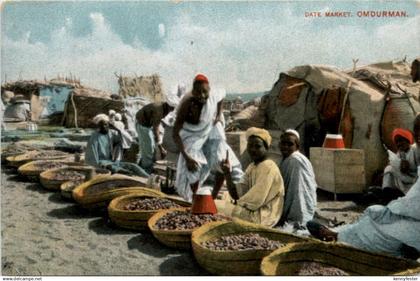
(383, 229)
(299, 181)
(126, 138)
(206, 144)
(392, 174)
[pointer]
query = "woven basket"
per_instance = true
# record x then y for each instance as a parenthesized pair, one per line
(67, 189)
(286, 260)
(48, 181)
(107, 188)
(6, 153)
(178, 239)
(33, 169)
(134, 219)
(19, 160)
(238, 262)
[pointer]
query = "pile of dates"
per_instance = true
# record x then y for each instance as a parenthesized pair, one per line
(150, 204)
(318, 269)
(238, 242)
(179, 220)
(49, 153)
(50, 165)
(68, 175)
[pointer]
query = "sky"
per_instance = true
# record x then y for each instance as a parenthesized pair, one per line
(241, 46)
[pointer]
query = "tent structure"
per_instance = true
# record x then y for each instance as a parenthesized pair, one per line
(364, 104)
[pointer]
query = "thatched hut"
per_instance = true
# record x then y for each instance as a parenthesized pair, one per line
(46, 97)
(148, 87)
(85, 103)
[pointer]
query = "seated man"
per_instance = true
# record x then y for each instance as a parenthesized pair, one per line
(104, 149)
(398, 180)
(104, 144)
(258, 197)
(392, 229)
(299, 180)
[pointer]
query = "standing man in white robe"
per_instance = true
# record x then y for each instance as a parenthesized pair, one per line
(199, 134)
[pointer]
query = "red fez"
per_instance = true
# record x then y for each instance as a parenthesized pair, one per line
(402, 133)
(201, 78)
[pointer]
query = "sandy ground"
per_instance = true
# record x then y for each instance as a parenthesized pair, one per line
(44, 235)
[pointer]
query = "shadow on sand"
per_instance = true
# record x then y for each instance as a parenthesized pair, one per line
(183, 264)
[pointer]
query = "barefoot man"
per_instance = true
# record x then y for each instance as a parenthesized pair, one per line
(199, 134)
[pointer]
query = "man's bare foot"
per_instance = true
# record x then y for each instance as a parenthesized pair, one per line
(321, 232)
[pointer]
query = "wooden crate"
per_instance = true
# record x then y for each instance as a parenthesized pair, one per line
(339, 170)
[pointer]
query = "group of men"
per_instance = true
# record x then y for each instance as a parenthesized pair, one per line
(393, 225)
(266, 193)
(270, 193)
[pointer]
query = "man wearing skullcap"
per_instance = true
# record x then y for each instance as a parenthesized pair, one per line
(259, 195)
(299, 180)
(148, 120)
(104, 144)
(200, 136)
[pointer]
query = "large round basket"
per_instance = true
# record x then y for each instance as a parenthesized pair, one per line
(178, 239)
(288, 260)
(100, 190)
(18, 160)
(48, 177)
(235, 262)
(135, 219)
(13, 150)
(33, 169)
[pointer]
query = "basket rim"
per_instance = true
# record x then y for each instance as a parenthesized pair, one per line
(33, 163)
(202, 230)
(19, 157)
(89, 199)
(270, 259)
(49, 172)
(103, 178)
(113, 205)
(153, 220)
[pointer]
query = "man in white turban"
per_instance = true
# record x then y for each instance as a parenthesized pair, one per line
(104, 144)
(148, 121)
(299, 181)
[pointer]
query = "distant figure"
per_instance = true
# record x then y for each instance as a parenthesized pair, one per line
(126, 138)
(299, 180)
(415, 70)
(200, 136)
(259, 196)
(104, 144)
(148, 121)
(19, 109)
(111, 115)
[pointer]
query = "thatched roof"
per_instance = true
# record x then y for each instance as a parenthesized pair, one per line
(33, 86)
(149, 87)
(93, 93)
